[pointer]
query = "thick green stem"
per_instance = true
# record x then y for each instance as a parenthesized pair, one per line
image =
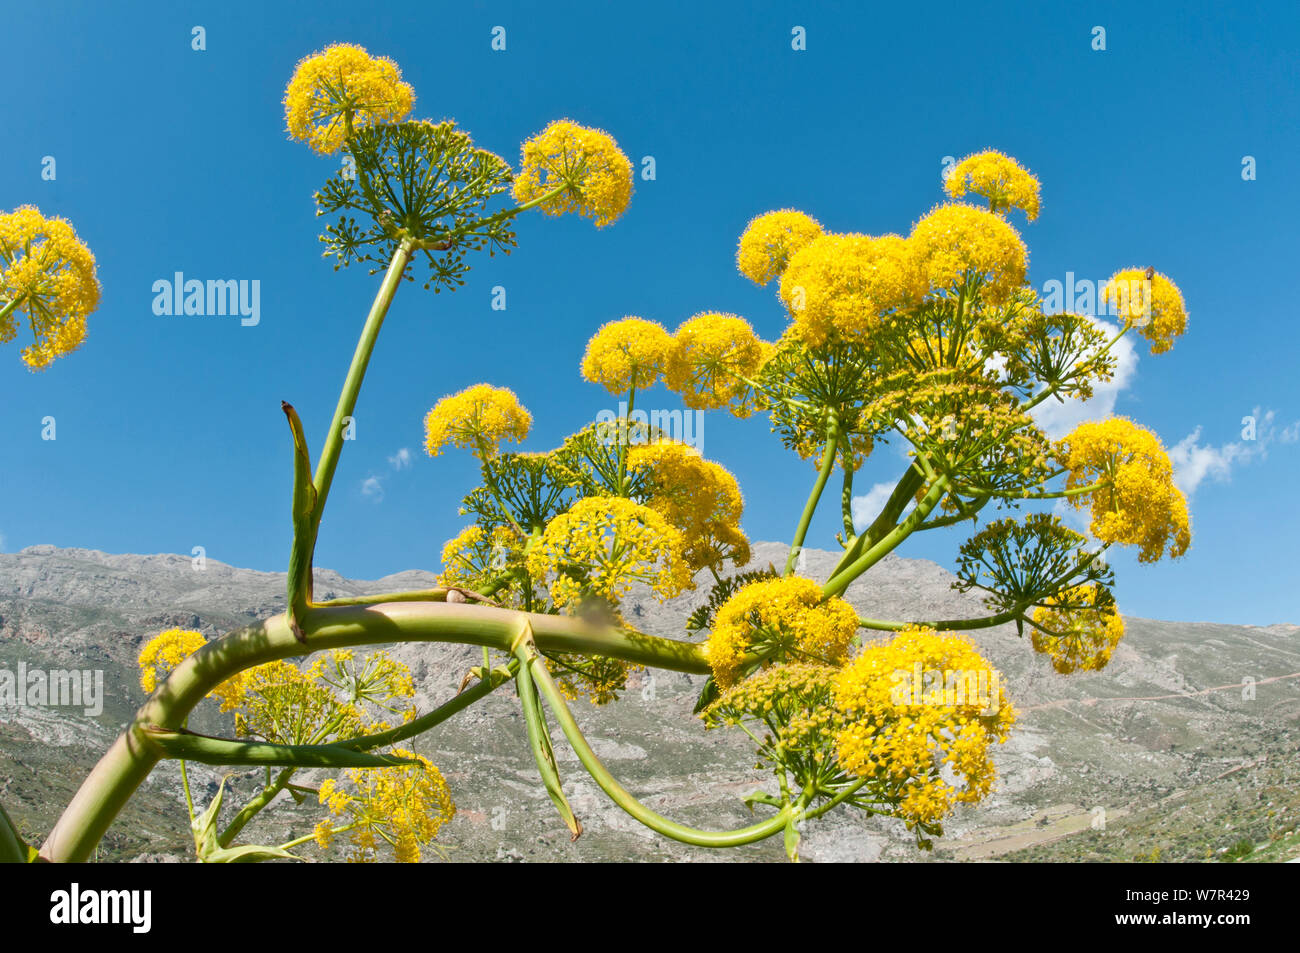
(417, 726)
(133, 755)
(9, 306)
(356, 374)
(539, 738)
(251, 809)
(836, 585)
(846, 497)
(904, 490)
(823, 474)
(944, 625)
(620, 795)
(227, 751)
(13, 850)
(625, 437)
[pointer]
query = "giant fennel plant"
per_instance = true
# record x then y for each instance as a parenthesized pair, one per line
(932, 341)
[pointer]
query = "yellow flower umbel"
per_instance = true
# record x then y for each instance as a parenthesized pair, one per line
(846, 284)
(714, 355)
(601, 546)
(478, 418)
(914, 740)
(697, 496)
(404, 807)
(770, 239)
(340, 89)
(779, 619)
(957, 243)
(1152, 305)
(1138, 503)
(282, 704)
(1081, 630)
(997, 177)
(630, 352)
(589, 162)
(474, 558)
(166, 650)
(789, 709)
(48, 275)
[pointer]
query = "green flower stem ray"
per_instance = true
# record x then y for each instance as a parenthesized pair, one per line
(528, 655)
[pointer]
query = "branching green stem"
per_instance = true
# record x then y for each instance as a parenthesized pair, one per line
(814, 497)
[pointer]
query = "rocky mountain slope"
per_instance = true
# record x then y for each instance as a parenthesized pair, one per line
(1184, 747)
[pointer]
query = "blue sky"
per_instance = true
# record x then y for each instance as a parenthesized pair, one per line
(169, 432)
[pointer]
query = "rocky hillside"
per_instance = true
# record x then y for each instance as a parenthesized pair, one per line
(1185, 747)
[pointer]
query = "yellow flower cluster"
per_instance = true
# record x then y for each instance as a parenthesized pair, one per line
(47, 274)
(601, 546)
(630, 352)
(699, 497)
(1138, 503)
(955, 242)
(479, 418)
(847, 284)
(404, 806)
(713, 356)
(1154, 306)
(997, 177)
(378, 678)
(770, 239)
(340, 89)
(164, 652)
(779, 619)
(588, 161)
(282, 704)
(597, 678)
(792, 703)
(1081, 634)
(912, 744)
(473, 557)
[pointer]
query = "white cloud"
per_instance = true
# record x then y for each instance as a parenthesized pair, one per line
(1193, 463)
(372, 488)
(1079, 520)
(1058, 418)
(867, 507)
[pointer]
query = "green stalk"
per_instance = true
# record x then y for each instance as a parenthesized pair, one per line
(1051, 390)
(9, 307)
(945, 625)
(836, 585)
(823, 474)
(625, 436)
(251, 809)
(904, 490)
(13, 850)
(352, 383)
(226, 751)
(846, 498)
(539, 738)
(421, 595)
(620, 796)
(439, 242)
(446, 710)
(133, 755)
